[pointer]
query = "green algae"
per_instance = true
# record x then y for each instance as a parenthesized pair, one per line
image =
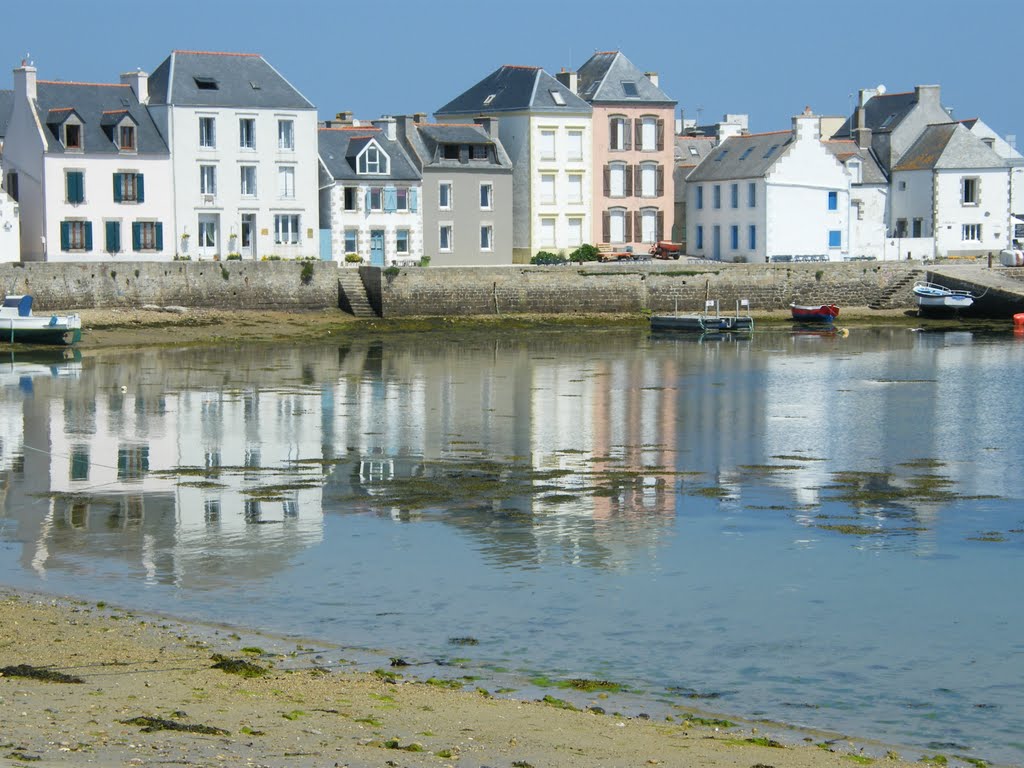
(39, 673)
(152, 724)
(239, 667)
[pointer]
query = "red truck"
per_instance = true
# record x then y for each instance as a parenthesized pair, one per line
(663, 249)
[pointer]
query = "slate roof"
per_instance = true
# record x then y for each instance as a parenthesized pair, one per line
(702, 145)
(843, 149)
(425, 139)
(515, 89)
(743, 157)
(93, 103)
(948, 146)
(6, 105)
(601, 80)
(339, 148)
(881, 113)
(244, 80)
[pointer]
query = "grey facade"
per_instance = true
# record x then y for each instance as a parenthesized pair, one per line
(470, 163)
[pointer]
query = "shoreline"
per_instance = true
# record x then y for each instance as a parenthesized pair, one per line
(310, 709)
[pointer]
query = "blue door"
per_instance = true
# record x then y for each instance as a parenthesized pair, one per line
(325, 245)
(377, 248)
(716, 253)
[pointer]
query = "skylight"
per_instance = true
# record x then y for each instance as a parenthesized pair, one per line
(693, 151)
(629, 88)
(206, 83)
(746, 152)
(721, 155)
(489, 99)
(771, 150)
(557, 96)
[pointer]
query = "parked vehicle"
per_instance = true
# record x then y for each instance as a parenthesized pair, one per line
(665, 249)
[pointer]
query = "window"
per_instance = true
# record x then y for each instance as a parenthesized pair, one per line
(128, 188)
(617, 225)
(969, 192)
(402, 241)
(445, 237)
(700, 198)
(547, 145)
(835, 238)
(557, 97)
(112, 237)
(132, 462)
(901, 228)
(575, 231)
(286, 229)
(734, 237)
(700, 237)
(72, 136)
(746, 153)
(489, 99)
(208, 132)
(349, 202)
(575, 190)
(648, 180)
(402, 199)
(286, 181)
(12, 185)
(547, 232)
(486, 237)
(208, 180)
(751, 195)
(375, 199)
(486, 195)
(547, 187)
(771, 150)
(721, 155)
(76, 236)
(648, 225)
(617, 180)
(450, 151)
(74, 183)
(444, 196)
(80, 463)
(248, 180)
(575, 145)
(855, 171)
(902, 186)
(649, 134)
(147, 236)
(286, 134)
(619, 129)
(833, 201)
(972, 232)
(126, 137)
(351, 241)
(629, 89)
(734, 195)
(479, 151)
(752, 237)
(205, 83)
(917, 228)
(717, 194)
(247, 133)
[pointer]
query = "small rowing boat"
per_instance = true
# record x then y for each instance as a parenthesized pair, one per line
(932, 297)
(18, 324)
(816, 313)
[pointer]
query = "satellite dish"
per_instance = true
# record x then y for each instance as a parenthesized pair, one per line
(880, 89)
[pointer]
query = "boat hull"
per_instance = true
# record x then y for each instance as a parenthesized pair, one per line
(821, 313)
(702, 323)
(42, 332)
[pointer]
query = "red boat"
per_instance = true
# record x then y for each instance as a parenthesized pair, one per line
(819, 313)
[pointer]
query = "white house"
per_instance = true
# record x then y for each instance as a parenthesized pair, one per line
(546, 131)
(244, 150)
(950, 195)
(10, 229)
(370, 196)
(869, 195)
(770, 197)
(90, 170)
(1006, 149)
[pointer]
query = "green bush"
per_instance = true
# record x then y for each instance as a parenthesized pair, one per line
(391, 272)
(234, 257)
(353, 258)
(425, 261)
(272, 257)
(307, 272)
(546, 257)
(585, 252)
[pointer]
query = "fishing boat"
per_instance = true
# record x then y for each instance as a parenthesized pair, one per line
(707, 321)
(18, 324)
(932, 297)
(816, 313)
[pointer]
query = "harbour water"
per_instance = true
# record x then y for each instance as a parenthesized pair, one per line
(803, 527)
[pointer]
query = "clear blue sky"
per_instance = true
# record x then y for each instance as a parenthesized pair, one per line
(766, 59)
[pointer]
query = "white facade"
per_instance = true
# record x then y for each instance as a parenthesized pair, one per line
(561, 164)
(380, 237)
(239, 187)
(10, 229)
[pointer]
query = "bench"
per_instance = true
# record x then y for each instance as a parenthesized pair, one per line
(611, 253)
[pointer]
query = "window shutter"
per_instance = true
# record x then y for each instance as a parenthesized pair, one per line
(390, 199)
(659, 230)
(626, 134)
(413, 199)
(160, 235)
(606, 227)
(638, 180)
(113, 237)
(628, 227)
(65, 236)
(136, 236)
(659, 181)
(88, 235)
(661, 134)
(140, 188)
(607, 181)
(638, 133)
(118, 187)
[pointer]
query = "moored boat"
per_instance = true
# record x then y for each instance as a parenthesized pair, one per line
(815, 313)
(932, 297)
(18, 324)
(706, 322)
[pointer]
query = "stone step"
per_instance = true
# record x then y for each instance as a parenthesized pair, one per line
(353, 294)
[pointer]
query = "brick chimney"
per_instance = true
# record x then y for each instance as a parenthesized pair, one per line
(139, 82)
(25, 81)
(570, 80)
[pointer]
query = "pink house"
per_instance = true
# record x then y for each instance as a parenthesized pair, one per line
(633, 150)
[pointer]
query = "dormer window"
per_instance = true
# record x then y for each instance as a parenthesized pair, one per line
(206, 83)
(450, 152)
(479, 152)
(629, 89)
(373, 160)
(126, 138)
(72, 136)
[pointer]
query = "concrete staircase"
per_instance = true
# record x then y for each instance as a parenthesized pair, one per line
(896, 295)
(352, 294)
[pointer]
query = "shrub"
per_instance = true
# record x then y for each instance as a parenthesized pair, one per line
(546, 257)
(353, 258)
(272, 257)
(585, 252)
(425, 261)
(234, 257)
(182, 257)
(307, 272)
(391, 272)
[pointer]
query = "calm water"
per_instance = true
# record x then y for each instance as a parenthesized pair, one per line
(819, 530)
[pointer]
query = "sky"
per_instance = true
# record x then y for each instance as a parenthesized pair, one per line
(768, 60)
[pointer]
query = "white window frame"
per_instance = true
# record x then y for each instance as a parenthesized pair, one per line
(354, 231)
(617, 215)
(287, 229)
(286, 134)
(443, 228)
(247, 180)
(970, 189)
(286, 182)
(445, 189)
(648, 216)
(648, 133)
(574, 189)
(398, 241)
(545, 223)
(548, 188)
(574, 148)
(133, 144)
(617, 170)
(379, 165)
(574, 230)
(486, 196)
(378, 204)
(401, 199)
(548, 149)
(617, 127)
(207, 132)
(208, 180)
(247, 133)
(648, 180)
(971, 233)
(487, 237)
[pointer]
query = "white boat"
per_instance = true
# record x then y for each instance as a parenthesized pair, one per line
(18, 324)
(934, 297)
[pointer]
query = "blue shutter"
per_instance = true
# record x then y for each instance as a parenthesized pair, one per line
(390, 199)
(139, 188)
(79, 187)
(118, 187)
(65, 236)
(136, 236)
(159, 236)
(833, 201)
(413, 199)
(88, 235)
(113, 244)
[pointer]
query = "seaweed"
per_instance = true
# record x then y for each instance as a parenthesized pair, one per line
(151, 724)
(39, 673)
(238, 666)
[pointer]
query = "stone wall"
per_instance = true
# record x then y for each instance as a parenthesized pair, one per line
(225, 284)
(658, 287)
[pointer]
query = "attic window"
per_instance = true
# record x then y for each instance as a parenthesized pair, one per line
(451, 152)
(629, 88)
(72, 136)
(557, 97)
(489, 99)
(206, 83)
(721, 155)
(771, 150)
(888, 120)
(126, 137)
(693, 151)
(746, 152)
(254, 85)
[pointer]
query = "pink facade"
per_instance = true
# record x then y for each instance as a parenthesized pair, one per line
(634, 158)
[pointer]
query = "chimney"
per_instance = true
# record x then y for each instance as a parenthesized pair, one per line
(863, 137)
(864, 95)
(25, 81)
(570, 80)
(387, 126)
(653, 77)
(807, 126)
(927, 94)
(139, 82)
(343, 119)
(489, 124)
(419, 117)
